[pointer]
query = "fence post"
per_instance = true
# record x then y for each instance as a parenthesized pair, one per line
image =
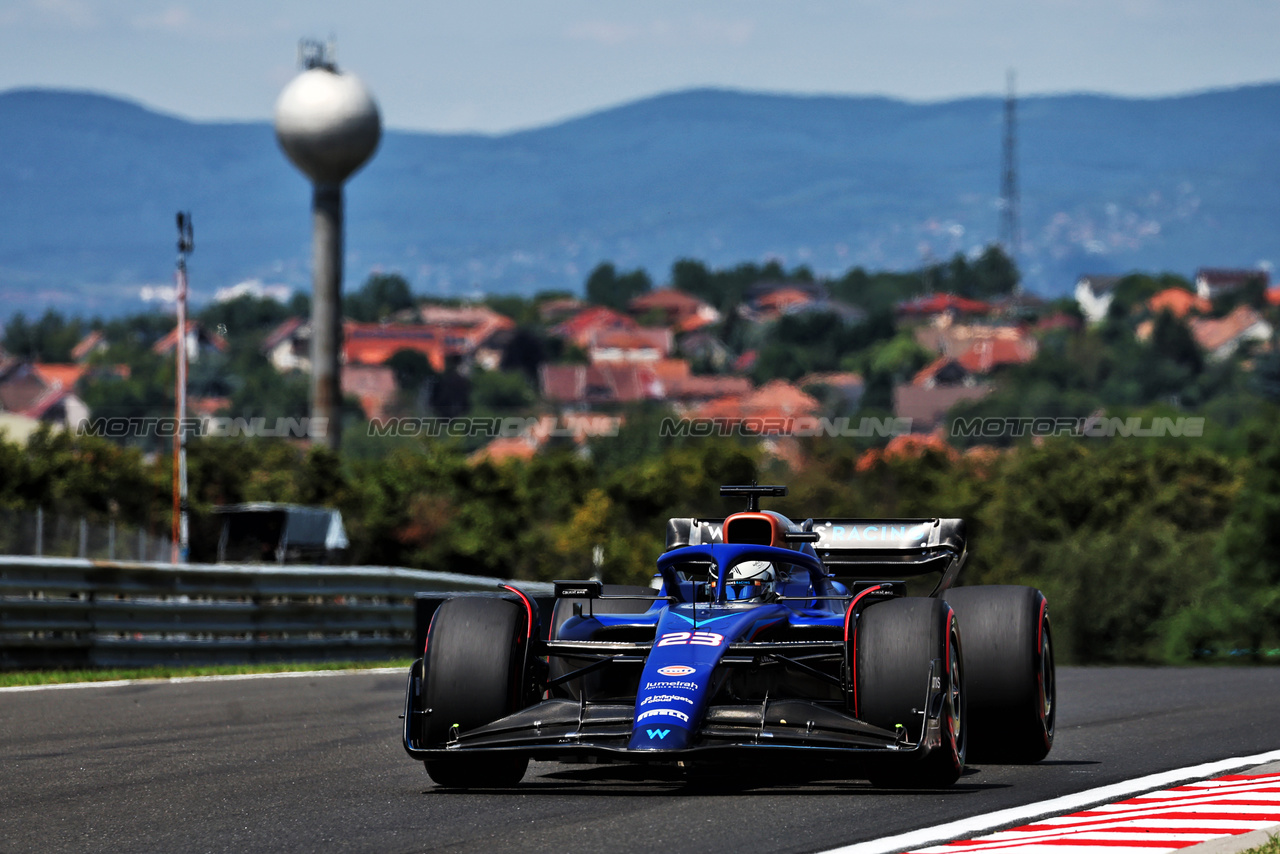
(84, 537)
(39, 531)
(111, 540)
(142, 544)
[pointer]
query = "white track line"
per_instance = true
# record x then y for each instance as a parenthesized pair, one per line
(1067, 803)
(177, 680)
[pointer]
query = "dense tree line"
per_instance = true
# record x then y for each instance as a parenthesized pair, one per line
(1150, 549)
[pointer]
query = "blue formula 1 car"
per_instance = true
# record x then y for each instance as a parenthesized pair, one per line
(762, 638)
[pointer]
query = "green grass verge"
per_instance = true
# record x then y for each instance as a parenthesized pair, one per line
(1272, 847)
(58, 677)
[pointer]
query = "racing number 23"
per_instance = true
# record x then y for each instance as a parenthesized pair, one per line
(696, 638)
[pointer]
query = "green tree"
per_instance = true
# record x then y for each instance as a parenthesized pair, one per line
(49, 339)
(606, 286)
(382, 294)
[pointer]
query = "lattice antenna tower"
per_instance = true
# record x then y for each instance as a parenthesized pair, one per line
(313, 53)
(1010, 236)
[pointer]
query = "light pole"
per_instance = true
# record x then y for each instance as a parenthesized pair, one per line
(179, 549)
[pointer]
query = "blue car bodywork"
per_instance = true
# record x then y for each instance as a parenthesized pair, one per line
(697, 669)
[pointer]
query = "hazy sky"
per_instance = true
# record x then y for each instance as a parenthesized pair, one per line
(495, 65)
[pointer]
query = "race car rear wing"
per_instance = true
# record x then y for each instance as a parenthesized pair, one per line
(861, 549)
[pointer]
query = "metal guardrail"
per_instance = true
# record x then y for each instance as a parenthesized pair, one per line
(70, 612)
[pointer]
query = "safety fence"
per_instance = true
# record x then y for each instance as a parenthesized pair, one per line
(70, 612)
(44, 534)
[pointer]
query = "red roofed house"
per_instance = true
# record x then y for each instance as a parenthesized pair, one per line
(680, 311)
(374, 343)
(695, 390)
(600, 383)
(373, 385)
(556, 310)
(932, 305)
(1178, 302)
(39, 392)
(60, 375)
(464, 328)
(934, 390)
(775, 303)
(774, 399)
(845, 389)
(981, 348)
(644, 344)
(582, 327)
(985, 354)
(94, 342)
(199, 340)
(1221, 337)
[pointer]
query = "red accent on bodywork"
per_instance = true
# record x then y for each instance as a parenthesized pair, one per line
(528, 610)
(853, 651)
(775, 528)
(427, 641)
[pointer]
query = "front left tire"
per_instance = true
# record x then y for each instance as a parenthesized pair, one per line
(473, 676)
(897, 642)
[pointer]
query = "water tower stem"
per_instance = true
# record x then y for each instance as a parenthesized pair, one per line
(326, 310)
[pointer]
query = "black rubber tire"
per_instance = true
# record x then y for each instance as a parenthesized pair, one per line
(563, 610)
(1008, 650)
(472, 678)
(897, 642)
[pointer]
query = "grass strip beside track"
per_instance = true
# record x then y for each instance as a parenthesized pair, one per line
(21, 678)
(1272, 847)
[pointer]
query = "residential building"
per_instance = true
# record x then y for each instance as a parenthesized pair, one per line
(643, 344)
(934, 390)
(42, 392)
(373, 385)
(602, 383)
(199, 341)
(1222, 337)
(1094, 294)
(1178, 302)
(288, 346)
(1212, 283)
(679, 311)
(932, 306)
(583, 327)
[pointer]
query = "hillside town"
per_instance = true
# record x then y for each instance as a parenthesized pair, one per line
(784, 347)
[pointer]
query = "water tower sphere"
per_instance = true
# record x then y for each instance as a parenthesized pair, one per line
(328, 124)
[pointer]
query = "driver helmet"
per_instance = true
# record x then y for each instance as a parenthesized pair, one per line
(749, 580)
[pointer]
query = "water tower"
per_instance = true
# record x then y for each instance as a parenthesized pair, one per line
(328, 125)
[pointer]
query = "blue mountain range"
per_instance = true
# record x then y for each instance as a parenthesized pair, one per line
(89, 186)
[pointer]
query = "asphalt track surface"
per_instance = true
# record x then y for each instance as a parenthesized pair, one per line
(315, 763)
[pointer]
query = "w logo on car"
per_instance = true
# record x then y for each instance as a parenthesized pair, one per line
(658, 733)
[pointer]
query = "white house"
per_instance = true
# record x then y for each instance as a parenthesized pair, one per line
(1094, 294)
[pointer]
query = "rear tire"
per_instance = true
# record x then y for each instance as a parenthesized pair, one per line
(1009, 663)
(473, 677)
(897, 642)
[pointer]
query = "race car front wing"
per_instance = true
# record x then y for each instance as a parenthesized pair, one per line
(578, 730)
